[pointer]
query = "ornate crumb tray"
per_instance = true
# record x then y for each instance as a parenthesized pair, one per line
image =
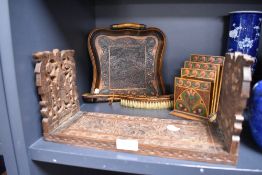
(63, 121)
(126, 59)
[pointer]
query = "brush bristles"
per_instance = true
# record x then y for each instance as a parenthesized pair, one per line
(147, 105)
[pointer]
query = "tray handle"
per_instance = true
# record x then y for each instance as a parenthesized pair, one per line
(128, 26)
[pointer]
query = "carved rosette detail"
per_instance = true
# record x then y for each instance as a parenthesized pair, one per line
(56, 82)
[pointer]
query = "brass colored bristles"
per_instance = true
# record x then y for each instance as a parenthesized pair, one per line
(146, 102)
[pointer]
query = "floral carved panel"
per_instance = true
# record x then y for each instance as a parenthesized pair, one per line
(56, 82)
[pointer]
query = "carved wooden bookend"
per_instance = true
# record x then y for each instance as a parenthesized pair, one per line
(56, 82)
(127, 60)
(234, 94)
(63, 122)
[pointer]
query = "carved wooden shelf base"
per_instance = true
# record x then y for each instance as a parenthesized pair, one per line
(191, 140)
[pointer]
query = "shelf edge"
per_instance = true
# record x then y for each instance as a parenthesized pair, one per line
(122, 162)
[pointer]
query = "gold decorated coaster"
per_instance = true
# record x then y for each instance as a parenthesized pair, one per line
(192, 98)
(214, 60)
(207, 59)
(208, 66)
(204, 75)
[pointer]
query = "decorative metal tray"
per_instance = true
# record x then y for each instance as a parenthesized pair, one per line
(127, 59)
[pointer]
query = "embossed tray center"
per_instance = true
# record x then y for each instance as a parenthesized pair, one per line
(127, 63)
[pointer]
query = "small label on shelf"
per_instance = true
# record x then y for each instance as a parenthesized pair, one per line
(127, 144)
(172, 128)
(96, 91)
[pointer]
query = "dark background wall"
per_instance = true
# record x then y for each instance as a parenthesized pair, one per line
(45, 25)
(190, 26)
(39, 25)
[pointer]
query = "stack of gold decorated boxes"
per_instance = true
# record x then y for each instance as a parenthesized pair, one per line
(197, 91)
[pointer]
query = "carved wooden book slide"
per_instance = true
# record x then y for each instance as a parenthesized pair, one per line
(126, 59)
(63, 122)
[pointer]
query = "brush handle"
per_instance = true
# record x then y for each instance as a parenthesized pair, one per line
(88, 97)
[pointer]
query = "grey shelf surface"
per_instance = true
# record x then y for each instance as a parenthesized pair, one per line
(249, 157)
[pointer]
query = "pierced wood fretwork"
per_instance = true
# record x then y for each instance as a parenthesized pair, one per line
(56, 82)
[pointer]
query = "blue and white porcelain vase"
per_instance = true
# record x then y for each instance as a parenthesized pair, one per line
(255, 120)
(244, 33)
